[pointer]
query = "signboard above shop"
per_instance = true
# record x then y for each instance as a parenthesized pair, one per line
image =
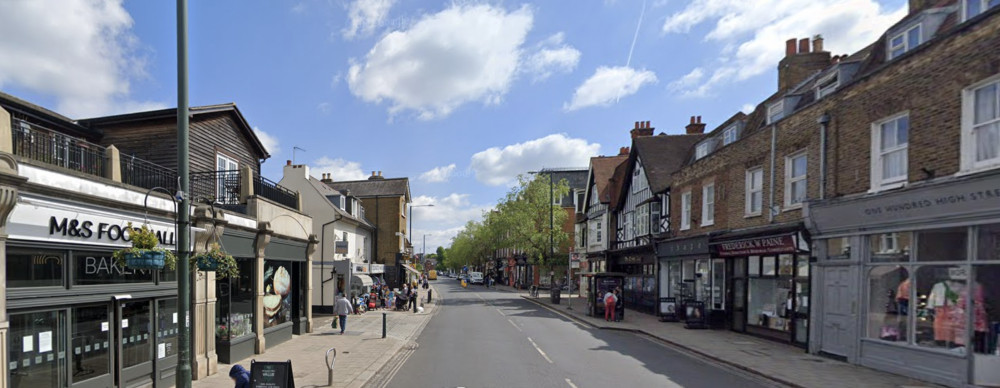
(769, 245)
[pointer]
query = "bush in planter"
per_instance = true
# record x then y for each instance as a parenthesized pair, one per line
(144, 253)
(215, 259)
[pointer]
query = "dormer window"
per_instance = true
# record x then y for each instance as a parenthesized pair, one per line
(729, 135)
(976, 7)
(775, 112)
(904, 41)
(827, 85)
(701, 151)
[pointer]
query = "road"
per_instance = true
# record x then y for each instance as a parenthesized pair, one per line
(486, 338)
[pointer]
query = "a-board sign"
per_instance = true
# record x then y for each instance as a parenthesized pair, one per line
(668, 309)
(695, 315)
(271, 374)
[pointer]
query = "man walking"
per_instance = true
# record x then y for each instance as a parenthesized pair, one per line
(342, 308)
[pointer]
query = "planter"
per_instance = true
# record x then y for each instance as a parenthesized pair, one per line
(146, 260)
(206, 263)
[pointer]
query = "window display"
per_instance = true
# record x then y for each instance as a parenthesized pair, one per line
(943, 291)
(675, 278)
(166, 329)
(888, 303)
(770, 303)
(278, 285)
(34, 268)
(234, 311)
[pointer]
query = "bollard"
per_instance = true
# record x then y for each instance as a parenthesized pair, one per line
(383, 325)
(329, 365)
(429, 295)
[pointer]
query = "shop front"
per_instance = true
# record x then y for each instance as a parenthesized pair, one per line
(285, 288)
(235, 331)
(687, 274)
(639, 288)
(922, 266)
(77, 318)
(769, 274)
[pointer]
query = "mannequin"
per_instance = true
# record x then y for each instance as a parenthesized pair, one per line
(948, 298)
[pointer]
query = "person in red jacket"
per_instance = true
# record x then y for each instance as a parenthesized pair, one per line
(609, 306)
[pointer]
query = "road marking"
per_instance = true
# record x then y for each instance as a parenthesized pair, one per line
(570, 382)
(515, 325)
(501, 312)
(539, 350)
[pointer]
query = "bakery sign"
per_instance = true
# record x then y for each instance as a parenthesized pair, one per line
(757, 246)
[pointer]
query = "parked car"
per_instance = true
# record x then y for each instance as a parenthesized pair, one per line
(475, 278)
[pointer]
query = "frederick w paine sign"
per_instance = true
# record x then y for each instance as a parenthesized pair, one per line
(757, 246)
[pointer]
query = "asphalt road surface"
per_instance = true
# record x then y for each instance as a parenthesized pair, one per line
(487, 338)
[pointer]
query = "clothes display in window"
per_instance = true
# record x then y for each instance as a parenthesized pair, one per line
(948, 300)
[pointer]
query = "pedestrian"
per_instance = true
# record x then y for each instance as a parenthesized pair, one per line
(610, 299)
(619, 307)
(413, 299)
(342, 308)
(240, 375)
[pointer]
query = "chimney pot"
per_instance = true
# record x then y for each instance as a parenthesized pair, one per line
(804, 46)
(288, 162)
(373, 173)
(696, 126)
(647, 124)
(818, 43)
(379, 172)
(692, 119)
(636, 125)
(790, 47)
(699, 119)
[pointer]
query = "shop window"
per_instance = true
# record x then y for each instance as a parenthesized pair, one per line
(986, 307)
(838, 248)
(37, 350)
(754, 262)
(802, 309)
(136, 327)
(675, 278)
(940, 314)
(100, 268)
(770, 302)
(942, 244)
(703, 280)
(34, 268)
(91, 343)
(989, 243)
(802, 269)
(278, 296)
(166, 328)
(890, 247)
(767, 266)
(786, 265)
(888, 303)
(234, 312)
(719, 284)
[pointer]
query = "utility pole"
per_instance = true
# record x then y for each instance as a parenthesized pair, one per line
(183, 379)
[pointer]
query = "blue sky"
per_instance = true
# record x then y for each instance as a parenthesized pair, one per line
(459, 96)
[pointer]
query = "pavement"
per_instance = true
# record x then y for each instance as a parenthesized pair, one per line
(783, 364)
(489, 338)
(361, 351)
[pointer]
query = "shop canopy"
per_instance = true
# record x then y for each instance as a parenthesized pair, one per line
(411, 269)
(363, 280)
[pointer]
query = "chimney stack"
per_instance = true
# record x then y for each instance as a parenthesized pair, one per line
(623, 151)
(696, 126)
(288, 162)
(642, 128)
(797, 65)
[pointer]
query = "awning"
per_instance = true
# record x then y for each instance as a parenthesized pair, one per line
(363, 280)
(411, 269)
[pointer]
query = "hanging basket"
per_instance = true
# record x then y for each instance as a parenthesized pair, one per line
(206, 263)
(146, 260)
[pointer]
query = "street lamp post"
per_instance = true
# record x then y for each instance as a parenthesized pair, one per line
(409, 233)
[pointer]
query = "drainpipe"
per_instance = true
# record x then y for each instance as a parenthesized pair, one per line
(824, 121)
(774, 141)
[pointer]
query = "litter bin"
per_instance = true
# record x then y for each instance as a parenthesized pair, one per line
(555, 293)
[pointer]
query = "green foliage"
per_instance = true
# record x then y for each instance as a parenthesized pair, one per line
(524, 220)
(227, 266)
(143, 239)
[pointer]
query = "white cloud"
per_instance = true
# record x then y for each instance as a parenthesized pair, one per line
(688, 80)
(748, 108)
(498, 166)
(365, 16)
(442, 221)
(752, 34)
(552, 56)
(270, 142)
(463, 54)
(82, 52)
(340, 169)
(607, 85)
(438, 174)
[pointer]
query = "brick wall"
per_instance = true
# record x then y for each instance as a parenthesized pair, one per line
(385, 213)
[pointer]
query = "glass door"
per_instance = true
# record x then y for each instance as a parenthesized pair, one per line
(166, 341)
(90, 346)
(37, 349)
(739, 297)
(134, 340)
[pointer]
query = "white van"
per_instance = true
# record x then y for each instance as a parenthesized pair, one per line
(475, 278)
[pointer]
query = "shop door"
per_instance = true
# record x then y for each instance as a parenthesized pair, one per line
(166, 342)
(839, 310)
(134, 343)
(738, 295)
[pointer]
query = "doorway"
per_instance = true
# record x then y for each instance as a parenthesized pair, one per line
(839, 306)
(134, 342)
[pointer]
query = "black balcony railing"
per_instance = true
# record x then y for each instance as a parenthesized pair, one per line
(146, 174)
(268, 189)
(36, 143)
(222, 187)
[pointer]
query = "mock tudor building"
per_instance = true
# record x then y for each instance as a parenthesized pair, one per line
(592, 236)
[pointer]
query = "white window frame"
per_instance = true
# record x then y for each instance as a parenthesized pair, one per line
(701, 151)
(905, 44)
(878, 183)
(600, 221)
(749, 190)
(779, 108)
(729, 136)
(984, 5)
(686, 210)
(889, 243)
(969, 140)
(791, 180)
(827, 85)
(642, 220)
(638, 178)
(708, 204)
